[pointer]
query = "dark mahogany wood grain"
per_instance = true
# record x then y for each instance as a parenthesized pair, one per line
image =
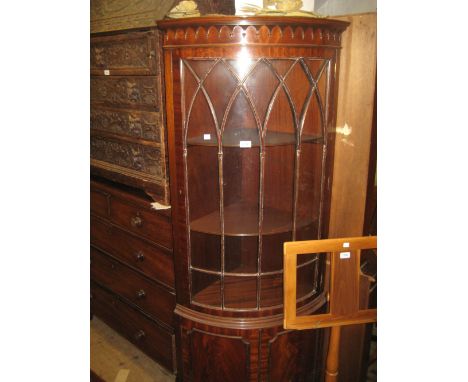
(270, 354)
(100, 203)
(124, 204)
(263, 350)
(207, 365)
(151, 297)
(138, 253)
(143, 222)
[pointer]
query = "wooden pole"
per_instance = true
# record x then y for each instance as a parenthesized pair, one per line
(333, 357)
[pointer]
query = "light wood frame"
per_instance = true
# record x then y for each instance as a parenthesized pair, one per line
(344, 282)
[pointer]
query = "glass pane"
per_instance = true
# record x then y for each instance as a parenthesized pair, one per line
(199, 114)
(314, 120)
(241, 185)
(307, 279)
(278, 203)
(261, 85)
(219, 96)
(202, 176)
(310, 278)
(272, 254)
(206, 251)
(241, 128)
(206, 288)
(203, 186)
(271, 290)
(241, 254)
(309, 191)
(240, 292)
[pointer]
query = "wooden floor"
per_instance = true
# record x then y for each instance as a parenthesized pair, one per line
(114, 359)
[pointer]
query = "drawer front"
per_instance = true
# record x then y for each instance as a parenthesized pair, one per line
(152, 298)
(133, 123)
(147, 335)
(146, 223)
(99, 203)
(136, 91)
(134, 156)
(138, 253)
(129, 53)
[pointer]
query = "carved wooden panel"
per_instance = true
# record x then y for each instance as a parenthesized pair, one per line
(134, 91)
(129, 155)
(107, 15)
(133, 123)
(218, 358)
(132, 53)
(127, 122)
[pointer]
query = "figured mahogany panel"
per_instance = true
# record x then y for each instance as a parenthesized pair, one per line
(295, 356)
(130, 53)
(132, 123)
(218, 358)
(132, 91)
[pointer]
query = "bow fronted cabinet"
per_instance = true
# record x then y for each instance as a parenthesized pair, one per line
(250, 107)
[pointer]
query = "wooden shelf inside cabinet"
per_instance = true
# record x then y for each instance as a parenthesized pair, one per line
(245, 297)
(241, 219)
(232, 138)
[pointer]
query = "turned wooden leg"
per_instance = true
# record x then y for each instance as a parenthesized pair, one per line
(333, 356)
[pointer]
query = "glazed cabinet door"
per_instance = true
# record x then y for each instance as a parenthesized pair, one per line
(254, 135)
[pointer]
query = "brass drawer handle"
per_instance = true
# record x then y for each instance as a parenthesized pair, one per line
(136, 221)
(139, 335)
(139, 256)
(141, 294)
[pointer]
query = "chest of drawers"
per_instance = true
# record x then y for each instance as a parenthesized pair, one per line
(132, 269)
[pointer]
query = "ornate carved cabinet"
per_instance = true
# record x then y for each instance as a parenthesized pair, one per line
(127, 113)
(250, 113)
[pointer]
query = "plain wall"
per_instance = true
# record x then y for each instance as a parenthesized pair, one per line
(344, 7)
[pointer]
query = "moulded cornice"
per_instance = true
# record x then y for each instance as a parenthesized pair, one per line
(258, 30)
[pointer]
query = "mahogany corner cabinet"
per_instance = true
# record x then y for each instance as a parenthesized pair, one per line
(250, 106)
